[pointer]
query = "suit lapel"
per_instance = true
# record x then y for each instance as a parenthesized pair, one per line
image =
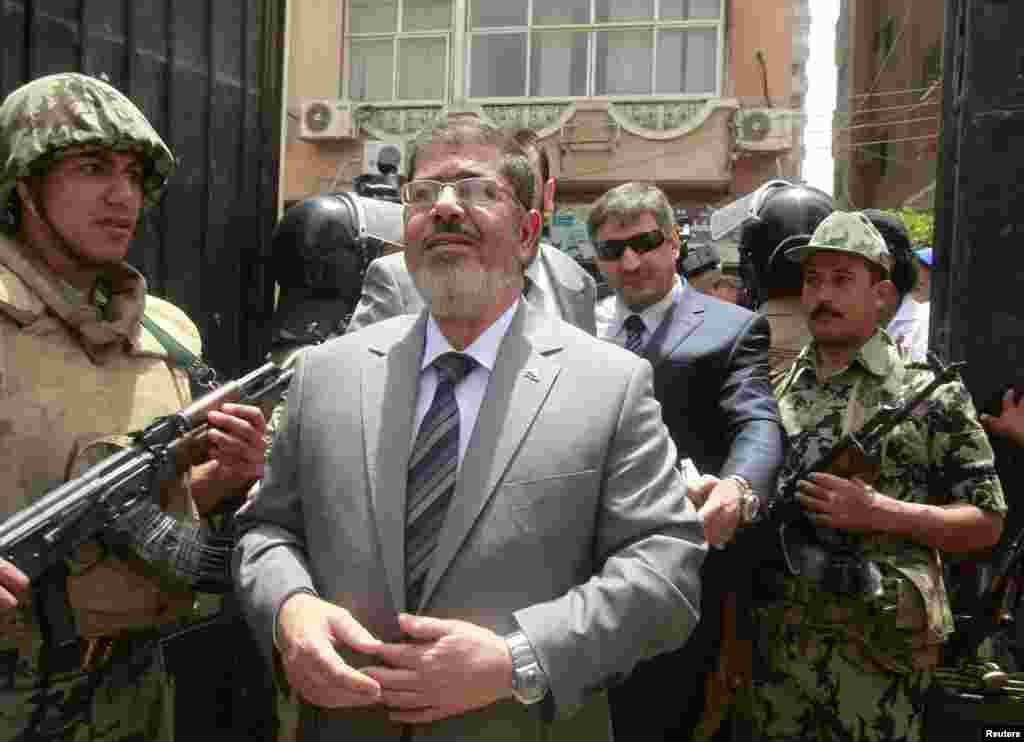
(520, 382)
(682, 318)
(390, 380)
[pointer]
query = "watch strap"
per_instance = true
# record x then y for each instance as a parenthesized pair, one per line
(529, 681)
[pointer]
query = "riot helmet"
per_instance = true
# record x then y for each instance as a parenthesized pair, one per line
(319, 254)
(778, 216)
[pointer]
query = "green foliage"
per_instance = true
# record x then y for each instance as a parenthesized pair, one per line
(920, 225)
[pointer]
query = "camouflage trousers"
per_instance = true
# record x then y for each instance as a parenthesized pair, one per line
(812, 690)
(127, 699)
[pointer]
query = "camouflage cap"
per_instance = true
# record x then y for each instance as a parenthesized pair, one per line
(51, 113)
(850, 232)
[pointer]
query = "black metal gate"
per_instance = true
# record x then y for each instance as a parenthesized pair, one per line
(976, 313)
(208, 74)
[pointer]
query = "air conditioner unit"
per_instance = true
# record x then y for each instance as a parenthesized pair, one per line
(374, 151)
(765, 129)
(321, 119)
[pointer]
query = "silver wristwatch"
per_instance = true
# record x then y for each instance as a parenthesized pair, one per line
(750, 503)
(529, 681)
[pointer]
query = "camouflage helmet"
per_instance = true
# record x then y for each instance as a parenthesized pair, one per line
(850, 232)
(49, 114)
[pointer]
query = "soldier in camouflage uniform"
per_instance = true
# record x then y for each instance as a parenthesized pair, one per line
(78, 370)
(853, 664)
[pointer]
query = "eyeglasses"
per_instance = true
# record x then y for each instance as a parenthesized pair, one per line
(641, 243)
(469, 191)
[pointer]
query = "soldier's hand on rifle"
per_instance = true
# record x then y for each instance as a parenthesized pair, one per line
(236, 451)
(237, 442)
(13, 583)
(835, 502)
(1011, 420)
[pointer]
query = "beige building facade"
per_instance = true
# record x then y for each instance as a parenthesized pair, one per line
(888, 109)
(703, 97)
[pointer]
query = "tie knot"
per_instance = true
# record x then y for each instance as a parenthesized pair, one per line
(453, 366)
(634, 324)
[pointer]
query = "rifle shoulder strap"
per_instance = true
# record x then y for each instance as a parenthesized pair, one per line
(201, 375)
(180, 355)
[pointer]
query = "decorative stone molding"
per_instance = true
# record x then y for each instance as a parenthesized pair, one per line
(534, 115)
(648, 119)
(403, 123)
(665, 119)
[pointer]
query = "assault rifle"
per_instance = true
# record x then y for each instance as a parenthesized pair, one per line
(996, 609)
(856, 454)
(120, 493)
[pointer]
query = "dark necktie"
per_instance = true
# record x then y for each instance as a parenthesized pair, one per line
(432, 467)
(634, 333)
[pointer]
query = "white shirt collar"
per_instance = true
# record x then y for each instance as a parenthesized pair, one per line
(484, 350)
(652, 315)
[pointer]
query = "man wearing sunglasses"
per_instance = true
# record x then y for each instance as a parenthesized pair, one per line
(555, 282)
(499, 477)
(710, 364)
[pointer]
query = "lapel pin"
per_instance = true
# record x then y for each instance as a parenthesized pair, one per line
(531, 374)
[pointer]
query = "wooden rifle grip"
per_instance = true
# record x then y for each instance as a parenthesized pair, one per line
(851, 462)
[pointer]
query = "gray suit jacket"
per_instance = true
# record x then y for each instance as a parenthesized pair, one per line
(569, 520)
(388, 290)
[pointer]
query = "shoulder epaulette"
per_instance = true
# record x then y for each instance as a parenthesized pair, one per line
(17, 300)
(172, 321)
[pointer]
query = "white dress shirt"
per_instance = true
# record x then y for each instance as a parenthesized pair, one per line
(909, 329)
(612, 315)
(469, 393)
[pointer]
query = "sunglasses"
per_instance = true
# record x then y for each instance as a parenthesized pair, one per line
(641, 243)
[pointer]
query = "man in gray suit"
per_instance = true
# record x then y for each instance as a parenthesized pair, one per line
(555, 282)
(487, 466)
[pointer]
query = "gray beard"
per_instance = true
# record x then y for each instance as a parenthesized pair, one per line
(452, 290)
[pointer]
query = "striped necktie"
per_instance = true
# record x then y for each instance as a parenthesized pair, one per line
(432, 468)
(634, 333)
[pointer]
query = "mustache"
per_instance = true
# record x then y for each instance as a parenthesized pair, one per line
(453, 229)
(824, 310)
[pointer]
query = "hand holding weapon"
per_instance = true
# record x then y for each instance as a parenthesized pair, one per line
(119, 494)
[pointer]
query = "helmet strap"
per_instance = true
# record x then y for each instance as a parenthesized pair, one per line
(29, 200)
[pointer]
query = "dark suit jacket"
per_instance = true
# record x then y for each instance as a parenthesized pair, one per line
(710, 363)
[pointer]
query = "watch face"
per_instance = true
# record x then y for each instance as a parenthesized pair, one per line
(751, 506)
(530, 686)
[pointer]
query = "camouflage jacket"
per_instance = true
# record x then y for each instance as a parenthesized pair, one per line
(940, 455)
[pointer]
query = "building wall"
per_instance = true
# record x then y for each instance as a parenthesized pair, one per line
(890, 113)
(688, 146)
